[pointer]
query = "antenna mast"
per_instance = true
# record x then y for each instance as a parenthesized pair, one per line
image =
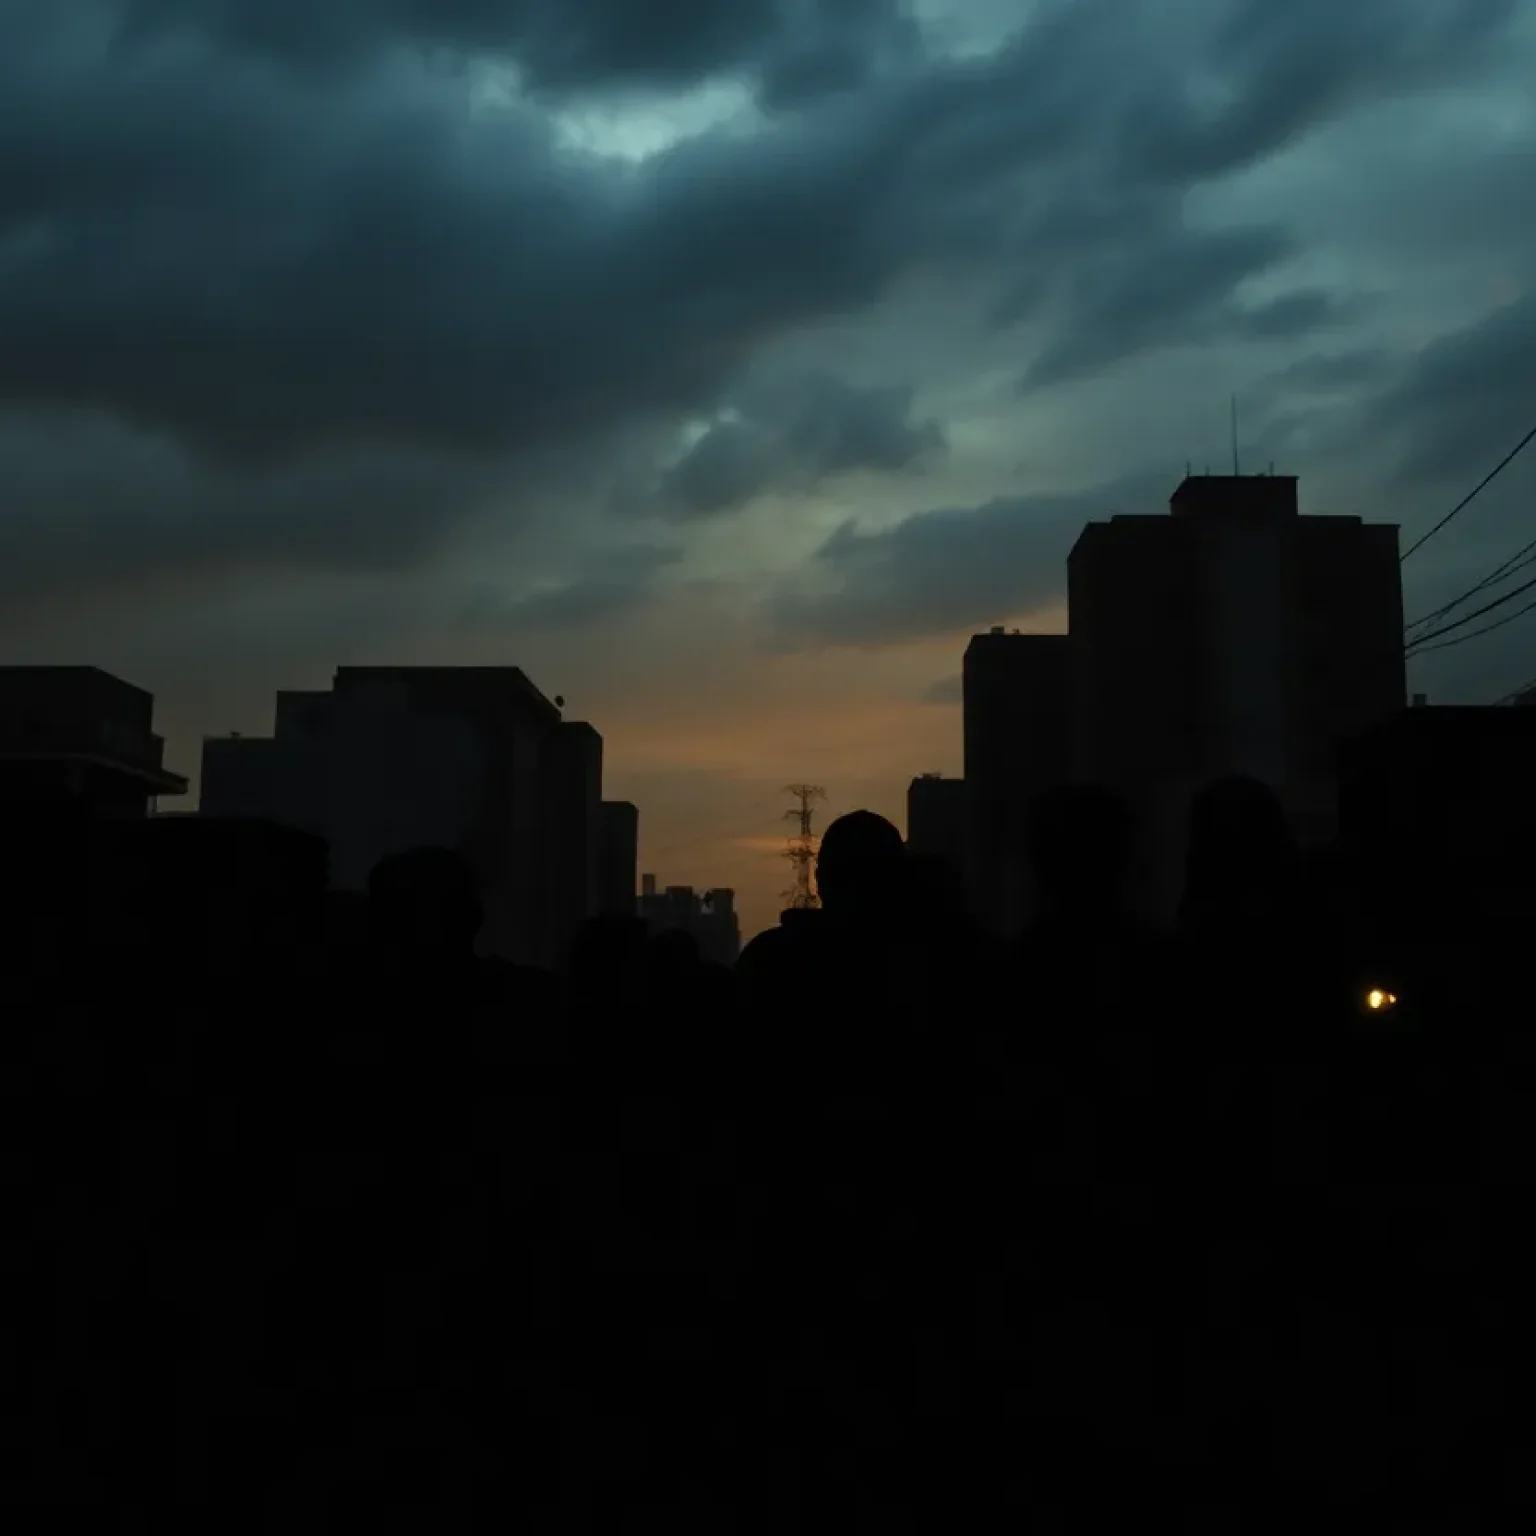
(801, 851)
(1235, 469)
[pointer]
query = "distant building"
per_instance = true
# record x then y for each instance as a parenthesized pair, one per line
(710, 916)
(1017, 707)
(1233, 636)
(79, 739)
(618, 858)
(938, 819)
(78, 759)
(471, 758)
(571, 792)
(720, 936)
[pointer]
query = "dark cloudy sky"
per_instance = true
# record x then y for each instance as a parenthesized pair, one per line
(725, 363)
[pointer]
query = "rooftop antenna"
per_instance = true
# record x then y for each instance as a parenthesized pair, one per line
(1235, 470)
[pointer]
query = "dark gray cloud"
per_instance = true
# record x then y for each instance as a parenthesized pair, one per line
(1462, 405)
(1268, 73)
(1120, 301)
(951, 569)
(1252, 78)
(1466, 398)
(797, 48)
(793, 437)
(215, 236)
(1174, 286)
(612, 583)
(261, 262)
(1327, 372)
(89, 503)
(1289, 316)
(262, 265)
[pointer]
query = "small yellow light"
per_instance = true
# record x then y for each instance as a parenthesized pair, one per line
(1376, 999)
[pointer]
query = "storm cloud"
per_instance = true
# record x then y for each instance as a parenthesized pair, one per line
(796, 50)
(611, 583)
(1468, 397)
(794, 437)
(206, 242)
(950, 570)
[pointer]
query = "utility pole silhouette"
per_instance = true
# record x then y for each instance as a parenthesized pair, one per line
(801, 852)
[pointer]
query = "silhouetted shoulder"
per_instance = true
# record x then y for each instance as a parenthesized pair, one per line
(764, 953)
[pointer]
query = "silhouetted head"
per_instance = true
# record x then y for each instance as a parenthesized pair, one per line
(673, 964)
(1080, 838)
(673, 949)
(607, 949)
(1239, 839)
(424, 904)
(860, 863)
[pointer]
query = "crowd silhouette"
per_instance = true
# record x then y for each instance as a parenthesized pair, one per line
(896, 1226)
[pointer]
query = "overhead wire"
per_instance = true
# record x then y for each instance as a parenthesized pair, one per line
(1434, 634)
(1518, 560)
(1471, 495)
(1487, 629)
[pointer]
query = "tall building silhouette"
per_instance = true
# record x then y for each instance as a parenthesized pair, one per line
(471, 758)
(80, 739)
(571, 793)
(938, 819)
(1233, 636)
(618, 858)
(1017, 706)
(79, 763)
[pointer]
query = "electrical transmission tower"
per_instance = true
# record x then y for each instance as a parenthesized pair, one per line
(801, 852)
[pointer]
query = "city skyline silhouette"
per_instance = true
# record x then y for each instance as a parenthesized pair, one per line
(766, 767)
(740, 452)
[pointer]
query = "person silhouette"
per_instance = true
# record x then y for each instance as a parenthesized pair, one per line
(832, 962)
(672, 957)
(1256, 947)
(852, 1208)
(858, 867)
(424, 911)
(1085, 955)
(1243, 869)
(605, 965)
(425, 915)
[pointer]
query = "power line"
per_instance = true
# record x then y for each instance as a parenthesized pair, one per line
(1520, 558)
(1476, 613)
(1487, 629)
(1471, 495)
